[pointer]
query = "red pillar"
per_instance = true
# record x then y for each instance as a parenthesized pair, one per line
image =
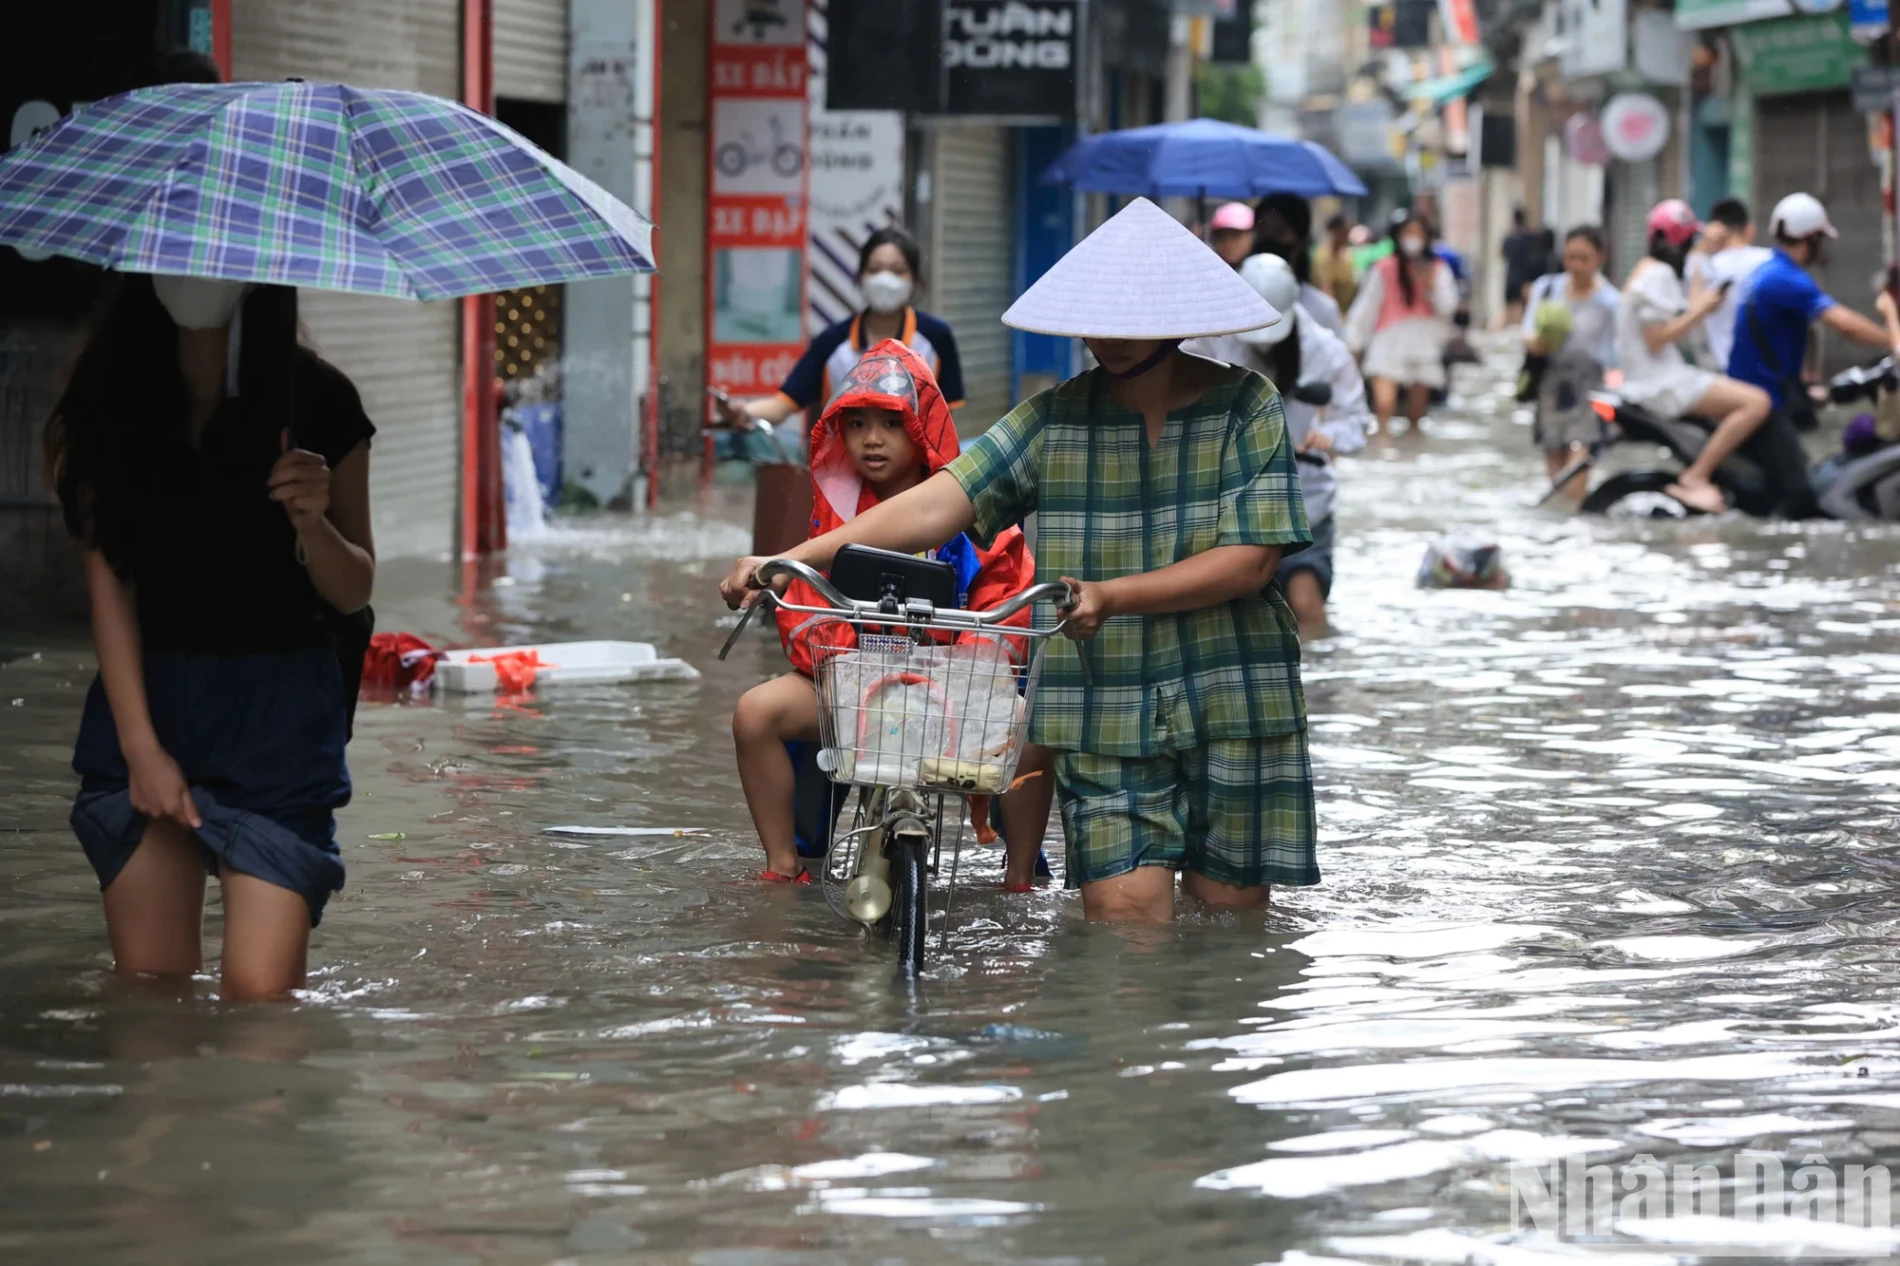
(221, 36)
(484, 525)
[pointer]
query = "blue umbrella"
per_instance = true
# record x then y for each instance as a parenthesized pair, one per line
(302, 184)
(1201, 158)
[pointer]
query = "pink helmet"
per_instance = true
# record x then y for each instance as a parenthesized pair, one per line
(1233, 215)
(1675, 221)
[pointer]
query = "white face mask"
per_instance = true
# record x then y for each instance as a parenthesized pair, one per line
(885, 291)
(199, 303)
(1412, 246)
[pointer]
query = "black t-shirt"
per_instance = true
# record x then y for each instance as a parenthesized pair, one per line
(214, 561)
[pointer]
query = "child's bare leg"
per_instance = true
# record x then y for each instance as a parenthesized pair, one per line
(1385, 402)
(1026, 816)
(769, 716)
(1418, 397)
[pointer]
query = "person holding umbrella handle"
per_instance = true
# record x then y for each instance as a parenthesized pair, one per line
(217, 473)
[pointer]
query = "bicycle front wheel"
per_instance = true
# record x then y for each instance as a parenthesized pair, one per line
(909, 883)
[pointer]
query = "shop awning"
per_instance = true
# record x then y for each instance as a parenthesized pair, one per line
(1445, 87)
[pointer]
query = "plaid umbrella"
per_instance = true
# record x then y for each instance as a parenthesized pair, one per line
(303, 184)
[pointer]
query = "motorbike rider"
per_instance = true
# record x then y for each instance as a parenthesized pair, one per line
(1782, 301)
(1654, 316)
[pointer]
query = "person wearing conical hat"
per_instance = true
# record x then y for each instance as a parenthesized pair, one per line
(1165, 492)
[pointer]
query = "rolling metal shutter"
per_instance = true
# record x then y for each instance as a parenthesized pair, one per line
(1815, 143)
(403, 356)
(531, 49)
(1633, 189)
(970, 268)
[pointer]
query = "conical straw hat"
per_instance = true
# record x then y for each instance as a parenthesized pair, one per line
(1140, 276)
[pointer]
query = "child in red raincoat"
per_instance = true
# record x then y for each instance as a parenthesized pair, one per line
(887, 429)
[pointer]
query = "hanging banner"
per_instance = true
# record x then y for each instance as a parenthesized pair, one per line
(1460, 22)
(757, 144)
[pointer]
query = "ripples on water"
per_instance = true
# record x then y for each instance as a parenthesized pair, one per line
(1609, 861)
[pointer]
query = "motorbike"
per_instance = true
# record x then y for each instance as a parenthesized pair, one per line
(1865, 487)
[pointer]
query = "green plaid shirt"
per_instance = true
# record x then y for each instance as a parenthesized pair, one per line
(1106, 506)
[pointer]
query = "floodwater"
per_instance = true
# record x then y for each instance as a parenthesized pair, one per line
(1610, 866)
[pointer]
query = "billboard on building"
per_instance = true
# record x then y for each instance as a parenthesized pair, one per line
(857, 184)
(757, 209)
(999, 58)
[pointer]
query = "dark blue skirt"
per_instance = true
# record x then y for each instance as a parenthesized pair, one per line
(260, 740)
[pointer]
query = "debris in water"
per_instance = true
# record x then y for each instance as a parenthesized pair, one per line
(623, 830)
(389, 835)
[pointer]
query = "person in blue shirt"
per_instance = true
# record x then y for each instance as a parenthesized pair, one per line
(889, 269)
(1781, 301)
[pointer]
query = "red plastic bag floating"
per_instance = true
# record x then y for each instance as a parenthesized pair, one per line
(398, 663)
(514, 670)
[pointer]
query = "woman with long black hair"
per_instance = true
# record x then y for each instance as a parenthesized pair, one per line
(1400, 321)
(217, 472)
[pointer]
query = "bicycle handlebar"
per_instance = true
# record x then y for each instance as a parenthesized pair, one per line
(774, 568)
(939, 617)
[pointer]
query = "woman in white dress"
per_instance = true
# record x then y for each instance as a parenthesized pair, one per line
(1400, 321)
(1654, 316)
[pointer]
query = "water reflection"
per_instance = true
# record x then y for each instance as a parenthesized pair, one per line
(1609, 859)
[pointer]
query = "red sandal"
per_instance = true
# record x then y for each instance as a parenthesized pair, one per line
(770, 876)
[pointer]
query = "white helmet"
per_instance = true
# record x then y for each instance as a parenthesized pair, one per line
(1800, 215)
(1272, 278)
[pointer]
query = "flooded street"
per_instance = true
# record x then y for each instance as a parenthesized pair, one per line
(1609, 863)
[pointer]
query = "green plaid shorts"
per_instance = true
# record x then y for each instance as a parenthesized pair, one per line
(1237, 811)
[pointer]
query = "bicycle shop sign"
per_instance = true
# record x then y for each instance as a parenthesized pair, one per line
(1010, 57)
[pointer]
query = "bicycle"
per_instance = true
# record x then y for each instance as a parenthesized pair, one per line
(735, 157)
(912, 722)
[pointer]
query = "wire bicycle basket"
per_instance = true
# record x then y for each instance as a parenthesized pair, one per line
(894, 711)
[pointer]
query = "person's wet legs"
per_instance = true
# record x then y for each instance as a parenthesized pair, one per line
(1385, 402)
(1142, 895)
(768, 716)
(1219, 896)
(155, 906)
(266, 938)
(1026, 815)
(1556, 461)
(1418, 398)
(1308, 600)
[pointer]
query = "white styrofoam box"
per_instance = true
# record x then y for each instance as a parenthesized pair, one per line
(564, 663)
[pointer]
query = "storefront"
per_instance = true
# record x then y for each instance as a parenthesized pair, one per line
(971, 254)
(55, 57)
(403, 356)
(1794, 128)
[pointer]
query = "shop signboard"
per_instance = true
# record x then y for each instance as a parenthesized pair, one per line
(1807, 54)
(1012, 58)
(757, 209)
(1873, 88)
(1867, 20)
(1003, 58)
(1635, 127)
(1696, 15)
(57, 58)
(1595, 37)
(1400, 23)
